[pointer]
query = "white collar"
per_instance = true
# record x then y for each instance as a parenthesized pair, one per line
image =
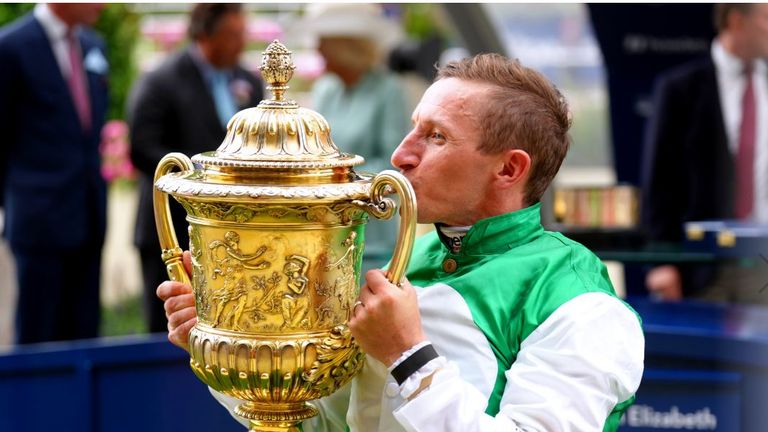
(731, 65)
(454, 230)
(54, 27)
(452, 236)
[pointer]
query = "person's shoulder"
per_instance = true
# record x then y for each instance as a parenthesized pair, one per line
(91, 36)
(247, 87)
(19, 30)
(327, 81)
(170, 69)
(325, 87)
(573, 272)
(576, 263)
(556, 239)
(175, 61)
(578, 251)
(385, 78)
(610, 325)
(243, 73)
(162, 80)
(596, 307)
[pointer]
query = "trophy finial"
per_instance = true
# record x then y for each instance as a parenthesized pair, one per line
(277, 68)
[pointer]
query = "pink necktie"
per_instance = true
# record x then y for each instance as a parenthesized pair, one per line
(745, 157)
(77, 83)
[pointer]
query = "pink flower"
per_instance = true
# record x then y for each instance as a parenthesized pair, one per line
(115, 159)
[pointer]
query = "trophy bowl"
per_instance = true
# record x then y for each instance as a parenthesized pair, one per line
(277, 219)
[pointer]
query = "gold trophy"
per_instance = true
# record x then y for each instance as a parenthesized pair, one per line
(276, 225)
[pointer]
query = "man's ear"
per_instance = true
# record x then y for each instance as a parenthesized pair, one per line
(515, 168)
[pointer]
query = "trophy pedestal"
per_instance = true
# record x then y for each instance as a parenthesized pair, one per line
(282, 427)
(275, 418)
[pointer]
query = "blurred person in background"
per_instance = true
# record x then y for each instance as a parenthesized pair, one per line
(53, 103)
(707, 154)
(184, 106)
(404, 61)
(360, 98)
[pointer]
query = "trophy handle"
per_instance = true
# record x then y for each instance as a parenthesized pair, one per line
(384, 208)
(172, 253)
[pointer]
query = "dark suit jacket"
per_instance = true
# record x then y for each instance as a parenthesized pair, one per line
(689, 168)
(689, 173)
(53, 192)
(171, 110)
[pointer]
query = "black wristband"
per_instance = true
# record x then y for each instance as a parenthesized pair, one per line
(413, 363)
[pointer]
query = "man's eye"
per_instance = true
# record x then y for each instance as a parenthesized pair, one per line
(437, 136)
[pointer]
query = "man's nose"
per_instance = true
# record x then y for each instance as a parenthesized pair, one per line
(405, 157)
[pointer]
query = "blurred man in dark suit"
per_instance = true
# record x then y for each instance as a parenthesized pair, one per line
(707, 151)
(53, 102)
(184, 106)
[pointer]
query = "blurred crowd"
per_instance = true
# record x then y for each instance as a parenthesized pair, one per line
(55, 171)
(706, 147)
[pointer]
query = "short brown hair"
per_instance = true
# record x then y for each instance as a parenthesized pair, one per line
(524, 111)
(204, 18)
(722, 10)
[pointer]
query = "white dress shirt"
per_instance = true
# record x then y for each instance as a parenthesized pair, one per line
(56, 30)
(731, 83)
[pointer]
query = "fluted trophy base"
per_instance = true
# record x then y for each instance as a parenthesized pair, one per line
(271, 418)
(274, 375)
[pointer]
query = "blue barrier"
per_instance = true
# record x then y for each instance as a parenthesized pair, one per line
(106, 385)
(706, 369)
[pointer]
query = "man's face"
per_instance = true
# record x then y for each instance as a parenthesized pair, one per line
(452, 179)
(755, 30)
(78, 13)
(328, 48)
(226, 43)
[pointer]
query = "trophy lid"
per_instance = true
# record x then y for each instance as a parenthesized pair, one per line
(278, 133)
(276, 150)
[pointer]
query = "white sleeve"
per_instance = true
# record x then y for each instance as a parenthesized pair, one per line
(569, 374)
(332, 412)
(331, 417)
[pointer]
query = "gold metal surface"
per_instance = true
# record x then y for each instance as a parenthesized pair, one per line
(277, 220)
(169, 245)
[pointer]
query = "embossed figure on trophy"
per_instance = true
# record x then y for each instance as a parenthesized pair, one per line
(268, 302)
(325, 311)
(296, 267)
(296, 303)
(232, 253)
(348, 259)
(231, 290)
(237, 295)
(345, 285)
(200, 284)
(239, 305)
(202, 299)
(230, 263)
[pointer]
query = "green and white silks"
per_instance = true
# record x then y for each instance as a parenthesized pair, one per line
(530, 333)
